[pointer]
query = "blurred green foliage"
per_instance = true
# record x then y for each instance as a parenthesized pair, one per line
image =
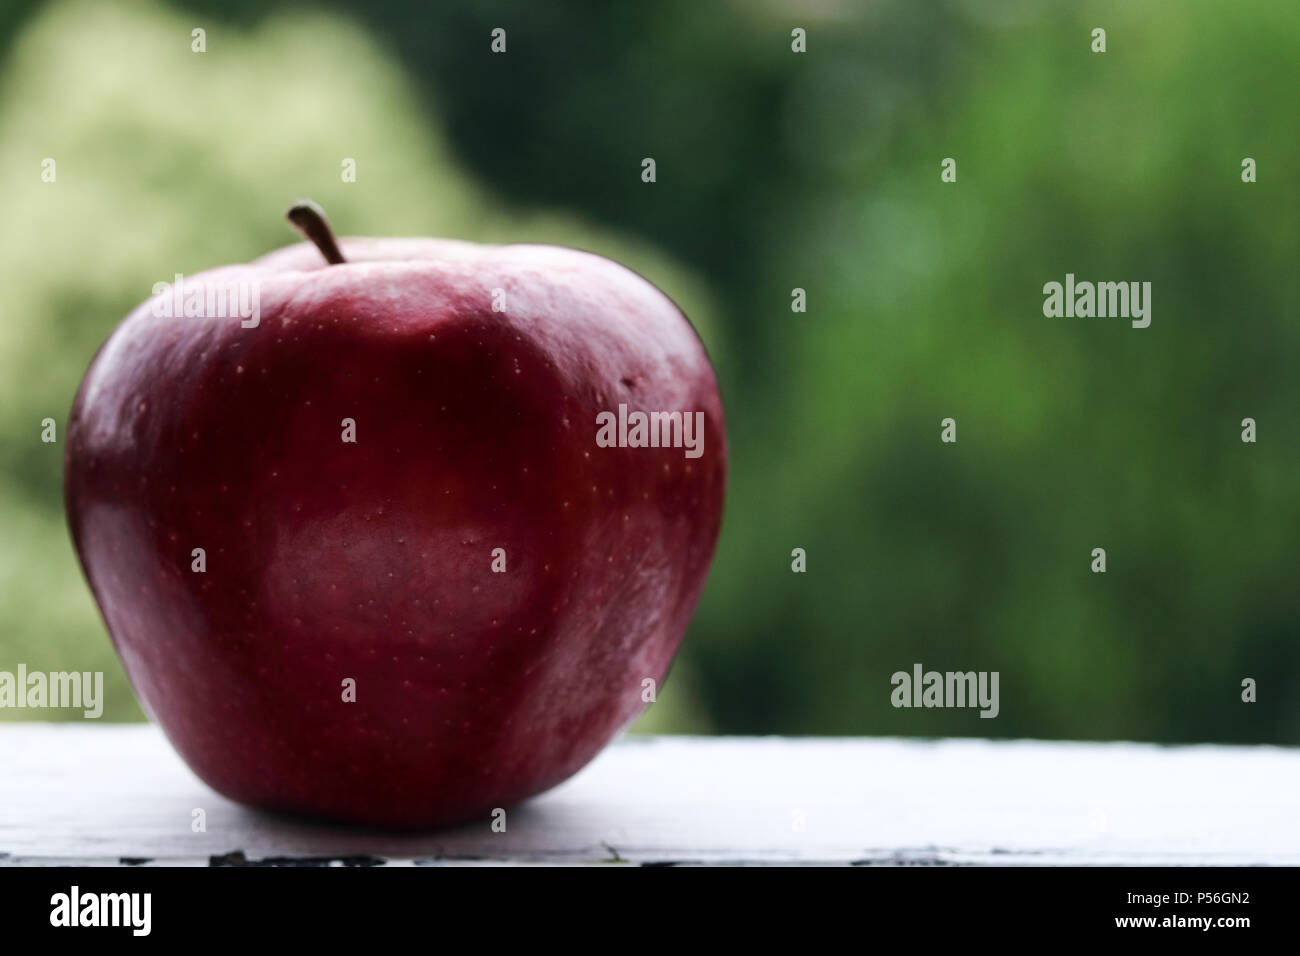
(775, 170)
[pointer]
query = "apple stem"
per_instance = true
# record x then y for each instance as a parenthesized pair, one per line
(309, 219)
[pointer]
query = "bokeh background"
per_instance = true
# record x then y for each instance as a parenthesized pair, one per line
(776, 170)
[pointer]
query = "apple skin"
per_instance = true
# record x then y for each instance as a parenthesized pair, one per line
(372, 560)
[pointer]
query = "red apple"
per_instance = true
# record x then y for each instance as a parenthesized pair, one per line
(327, 561)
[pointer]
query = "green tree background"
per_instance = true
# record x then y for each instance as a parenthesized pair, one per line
(776, 170)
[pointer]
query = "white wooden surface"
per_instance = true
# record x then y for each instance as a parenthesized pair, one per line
(101, 793)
